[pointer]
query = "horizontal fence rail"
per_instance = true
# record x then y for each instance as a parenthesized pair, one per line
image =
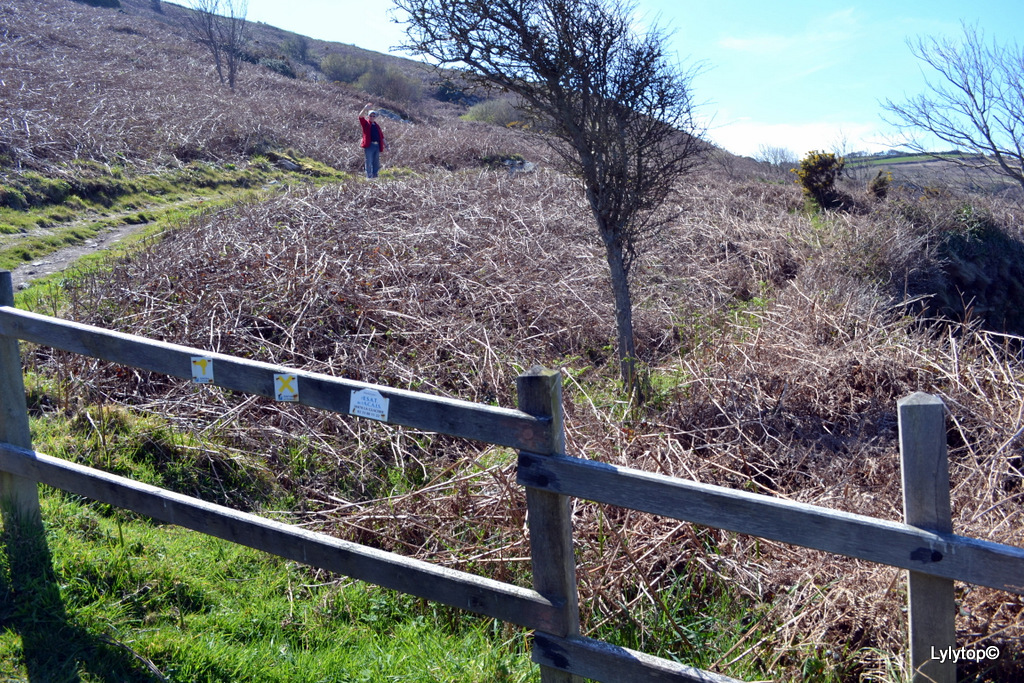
(933, 554)
(491, 424)
(459, 589)
(899, 545)
(609, 663)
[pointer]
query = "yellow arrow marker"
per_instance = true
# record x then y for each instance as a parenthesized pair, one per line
(202, 370)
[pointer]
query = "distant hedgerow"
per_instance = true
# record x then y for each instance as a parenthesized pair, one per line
(101, 3)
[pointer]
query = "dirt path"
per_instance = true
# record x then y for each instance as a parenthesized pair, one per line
(64, 258)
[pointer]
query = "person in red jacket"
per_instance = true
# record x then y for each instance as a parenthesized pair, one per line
(373, 140)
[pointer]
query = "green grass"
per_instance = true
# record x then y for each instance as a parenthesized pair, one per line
(127, 598)
(44, 220)
(112, 596)
(909, 158)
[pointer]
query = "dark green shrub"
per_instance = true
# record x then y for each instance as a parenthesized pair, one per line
(817, 175)
(450, 91)
(101, 3)
(390, 84)
(297, 47)
(281, 66)
(498, 112)
(344, 68)
(878, 187)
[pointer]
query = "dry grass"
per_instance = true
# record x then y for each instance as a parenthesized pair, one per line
(776, 344)
(124, 89)
(773, 369)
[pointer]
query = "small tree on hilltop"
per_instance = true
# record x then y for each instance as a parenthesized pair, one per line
(617, 109)
(220, 25)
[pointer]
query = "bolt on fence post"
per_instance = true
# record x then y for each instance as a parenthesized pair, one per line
(925, 468)
(549, 514)
(18, 495)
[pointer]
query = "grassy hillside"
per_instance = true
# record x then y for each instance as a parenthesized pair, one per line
(925, 172)
(775, 342)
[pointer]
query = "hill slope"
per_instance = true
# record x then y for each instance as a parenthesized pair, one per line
(775, 341)
(127, 87)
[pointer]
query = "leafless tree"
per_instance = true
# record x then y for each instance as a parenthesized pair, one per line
(220, 25)
(776, 156)
(977, 106)
(779, 160)
(617, 108)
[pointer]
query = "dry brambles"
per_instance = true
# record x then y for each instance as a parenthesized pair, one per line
(772, 369)
(776, 343)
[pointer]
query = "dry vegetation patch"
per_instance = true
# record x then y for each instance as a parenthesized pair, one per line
(772, 367)
(775, 343)
(128, 88)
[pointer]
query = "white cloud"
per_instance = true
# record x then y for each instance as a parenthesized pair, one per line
(826, 34)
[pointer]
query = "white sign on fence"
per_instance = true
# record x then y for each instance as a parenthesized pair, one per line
(202, 370)
(369, 403)
(286, 387)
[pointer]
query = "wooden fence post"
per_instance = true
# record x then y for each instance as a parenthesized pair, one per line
(18, 495)
(932, 603)
(549, 515)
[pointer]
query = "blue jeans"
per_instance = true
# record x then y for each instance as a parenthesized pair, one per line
(372, 159)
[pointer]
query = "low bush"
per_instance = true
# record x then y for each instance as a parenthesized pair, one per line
(344, 68)
(498, 112)
(817, 175)
(878, 187)
(390, 84)
(281, 66)
(450, 91)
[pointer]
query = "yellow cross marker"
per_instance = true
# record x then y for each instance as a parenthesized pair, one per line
(286, 387)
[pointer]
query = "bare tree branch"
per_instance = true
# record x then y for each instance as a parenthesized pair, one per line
(220, 25)
(617, 106)
(977, 106)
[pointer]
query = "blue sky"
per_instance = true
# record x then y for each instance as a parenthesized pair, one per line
(797, 74)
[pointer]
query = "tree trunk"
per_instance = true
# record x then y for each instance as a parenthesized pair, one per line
(623, 313)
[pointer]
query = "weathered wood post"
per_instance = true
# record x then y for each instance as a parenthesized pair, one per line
(932, 604)
(549, 515)
(18, 496)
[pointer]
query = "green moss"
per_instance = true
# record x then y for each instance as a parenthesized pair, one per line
(26, 190)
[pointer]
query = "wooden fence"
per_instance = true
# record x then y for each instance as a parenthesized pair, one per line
(924, 545)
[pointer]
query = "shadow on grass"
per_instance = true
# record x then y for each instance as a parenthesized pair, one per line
(54, 648)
